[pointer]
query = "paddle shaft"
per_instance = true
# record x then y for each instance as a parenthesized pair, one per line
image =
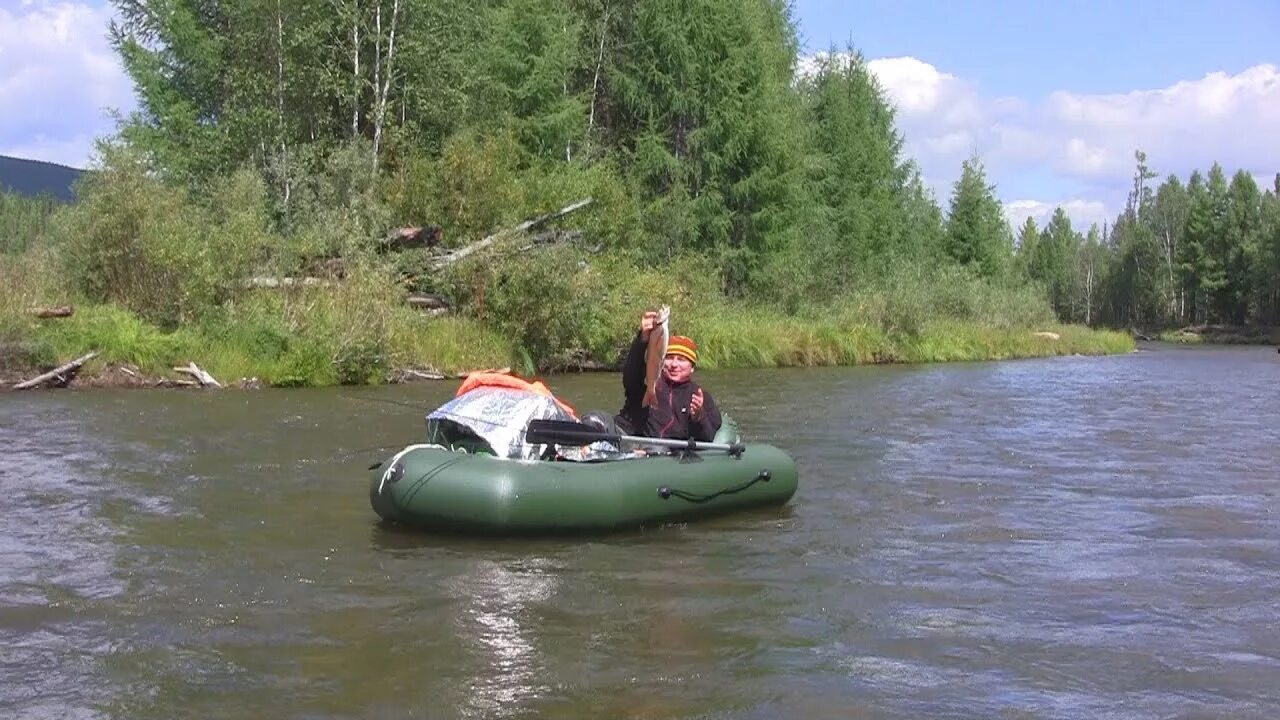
(554, 432)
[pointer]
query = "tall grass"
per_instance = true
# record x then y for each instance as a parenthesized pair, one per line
(159, 278)
(24, 222)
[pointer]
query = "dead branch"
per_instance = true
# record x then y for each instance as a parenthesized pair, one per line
(525, 226)
(202, 377)
(411, 374)
(62, 374)
(273, 282)
(429, 301)
(53, 312)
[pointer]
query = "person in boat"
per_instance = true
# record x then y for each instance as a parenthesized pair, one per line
(676, 407)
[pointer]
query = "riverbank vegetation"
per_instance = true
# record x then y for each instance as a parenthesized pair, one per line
(245, 217)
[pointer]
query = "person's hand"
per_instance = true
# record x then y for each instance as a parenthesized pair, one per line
(695, 405)
(648, 322)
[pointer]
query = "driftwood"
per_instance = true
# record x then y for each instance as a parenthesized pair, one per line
(274, 282)
(429, 301)
(525, 226)
(62, 374)
(1048, 335)
(53, 312)
(202, 377)
(411, 374)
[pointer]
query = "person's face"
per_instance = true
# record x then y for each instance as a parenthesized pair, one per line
(677, 368)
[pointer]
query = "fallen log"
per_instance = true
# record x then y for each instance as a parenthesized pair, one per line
(459, 254)
(274, 282)
(1047, 335)
(411, 374)
(202, 377)
(62, 374)
(429, 301)
(53, 312)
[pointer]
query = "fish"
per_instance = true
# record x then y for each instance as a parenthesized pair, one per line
(657, 350)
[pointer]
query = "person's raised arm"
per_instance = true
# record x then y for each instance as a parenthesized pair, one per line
(633, 368)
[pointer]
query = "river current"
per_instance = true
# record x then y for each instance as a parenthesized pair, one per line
(1071, 537)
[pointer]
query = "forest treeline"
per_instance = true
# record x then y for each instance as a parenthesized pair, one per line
(730, 177)
(1203, 251)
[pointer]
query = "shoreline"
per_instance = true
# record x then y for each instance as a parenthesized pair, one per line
(107, 374)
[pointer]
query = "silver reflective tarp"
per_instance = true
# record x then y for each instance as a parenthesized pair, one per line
(499, 416)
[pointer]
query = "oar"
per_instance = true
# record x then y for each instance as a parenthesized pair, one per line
(567, 432)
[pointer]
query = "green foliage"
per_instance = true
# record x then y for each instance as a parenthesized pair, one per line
(24, 221)
(477, 185)
(777, 215)
(119, 336)
(977, 233)
(700, 101)
(134, 241)
(1193, 254)
(860, 176)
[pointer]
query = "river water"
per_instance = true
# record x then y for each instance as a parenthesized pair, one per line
(1061, 538)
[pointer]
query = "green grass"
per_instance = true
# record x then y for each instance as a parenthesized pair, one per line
(264, 340)
(760, 339)
(361, 332)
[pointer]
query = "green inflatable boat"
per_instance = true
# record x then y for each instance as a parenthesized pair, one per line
(465, 486)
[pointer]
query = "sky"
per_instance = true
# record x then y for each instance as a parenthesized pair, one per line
(1054, 98)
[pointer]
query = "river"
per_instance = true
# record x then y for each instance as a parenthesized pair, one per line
(1071, 537)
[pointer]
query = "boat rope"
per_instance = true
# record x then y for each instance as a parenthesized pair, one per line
(393, 463)
(667, 492)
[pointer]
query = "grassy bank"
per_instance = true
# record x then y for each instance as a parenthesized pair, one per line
(160, 278)
(263, 339)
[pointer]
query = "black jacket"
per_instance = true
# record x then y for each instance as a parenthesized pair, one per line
(669, 418)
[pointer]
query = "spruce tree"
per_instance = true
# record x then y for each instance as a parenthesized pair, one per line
(977, 234)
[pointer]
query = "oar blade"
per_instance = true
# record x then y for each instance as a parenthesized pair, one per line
(564, 432)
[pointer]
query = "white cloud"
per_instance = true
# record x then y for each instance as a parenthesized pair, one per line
(1230, 119)
(1083, 213)
(916, 87)
(1080, 147)
(58, 79)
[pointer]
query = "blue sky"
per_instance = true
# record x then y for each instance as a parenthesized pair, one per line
(1053, 97)
(1030, 49)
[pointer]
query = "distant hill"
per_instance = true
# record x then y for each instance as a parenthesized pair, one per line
(36, 177)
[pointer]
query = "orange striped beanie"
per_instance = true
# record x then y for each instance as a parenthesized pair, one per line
(684, 347)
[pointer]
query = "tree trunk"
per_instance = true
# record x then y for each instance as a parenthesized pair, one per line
(355, 69)
(475, 247)
(595, 82)
(280, 130)
(62, 373)
(381, 91)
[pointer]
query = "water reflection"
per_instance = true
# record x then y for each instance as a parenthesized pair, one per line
(500, 601)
